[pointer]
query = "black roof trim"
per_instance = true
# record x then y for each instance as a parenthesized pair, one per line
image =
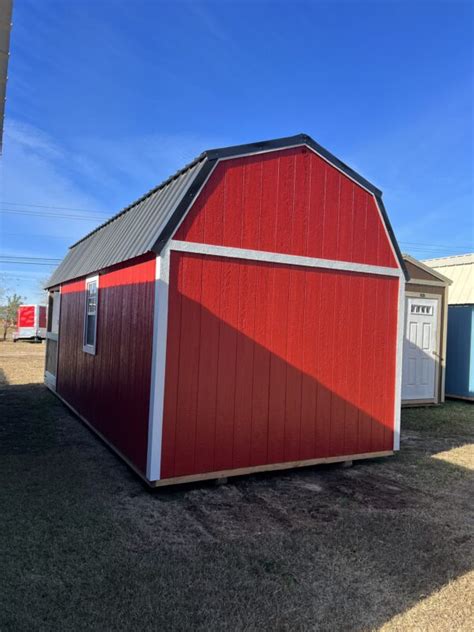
(291, 141)
(393, 239)
(183, 206)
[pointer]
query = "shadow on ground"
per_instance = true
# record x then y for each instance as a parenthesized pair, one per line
(84, 545)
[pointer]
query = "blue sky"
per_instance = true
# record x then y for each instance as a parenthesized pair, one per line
(107, 98)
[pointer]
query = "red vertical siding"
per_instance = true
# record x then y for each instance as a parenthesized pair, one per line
(276, 363)
(290, 201)
(111, 389)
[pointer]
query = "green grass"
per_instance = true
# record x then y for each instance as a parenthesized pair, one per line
(85, 546)
(453, 417)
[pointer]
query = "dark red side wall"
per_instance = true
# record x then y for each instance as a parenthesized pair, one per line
(290, 201)
(111, 390)
(273, 363)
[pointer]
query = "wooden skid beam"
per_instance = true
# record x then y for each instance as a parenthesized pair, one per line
(290, 465)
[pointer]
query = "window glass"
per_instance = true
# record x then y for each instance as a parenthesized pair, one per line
(422, 309)
(91, 314)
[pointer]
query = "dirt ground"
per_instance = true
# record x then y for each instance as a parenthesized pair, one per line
(386, 545)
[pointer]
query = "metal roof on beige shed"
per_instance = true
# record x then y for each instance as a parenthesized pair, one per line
(460, 269)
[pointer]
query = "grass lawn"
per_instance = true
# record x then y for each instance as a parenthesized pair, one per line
(385, 545)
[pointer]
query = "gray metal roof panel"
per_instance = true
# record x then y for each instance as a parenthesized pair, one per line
(128, 234)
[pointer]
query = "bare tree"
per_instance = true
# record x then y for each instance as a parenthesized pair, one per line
(9, 311)
(41, 292)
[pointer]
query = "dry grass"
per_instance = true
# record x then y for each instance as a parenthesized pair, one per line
(21, 362)
(386, 545)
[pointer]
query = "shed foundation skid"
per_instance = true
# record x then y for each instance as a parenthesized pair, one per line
(245, 471)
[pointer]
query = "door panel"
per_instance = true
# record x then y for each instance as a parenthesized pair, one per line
(420, 346)
(52, 338)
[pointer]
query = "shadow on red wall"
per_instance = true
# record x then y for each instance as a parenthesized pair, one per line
(233, 402)
(111, 389)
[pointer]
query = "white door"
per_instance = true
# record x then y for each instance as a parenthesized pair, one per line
(420, 348)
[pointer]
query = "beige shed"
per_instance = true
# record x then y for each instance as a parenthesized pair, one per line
(424, 347)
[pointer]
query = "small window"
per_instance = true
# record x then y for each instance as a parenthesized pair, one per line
(422, 309)
(90, 318)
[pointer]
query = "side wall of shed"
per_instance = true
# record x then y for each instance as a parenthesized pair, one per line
(111, 389)
(460, 359)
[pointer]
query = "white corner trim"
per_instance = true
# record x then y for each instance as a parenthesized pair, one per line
(158, 366)
(50, 380)
(399, 363)
(277, 257)
(444, 344)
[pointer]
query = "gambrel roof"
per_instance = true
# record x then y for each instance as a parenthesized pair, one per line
(147, 224)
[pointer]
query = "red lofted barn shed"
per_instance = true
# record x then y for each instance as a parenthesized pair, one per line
(245, 315)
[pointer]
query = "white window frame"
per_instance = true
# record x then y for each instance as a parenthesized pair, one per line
(86, 347)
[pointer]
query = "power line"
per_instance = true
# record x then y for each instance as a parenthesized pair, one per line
(411, 245)
(418, 246)
(37, 235)
(61, 208)
(39, 261)
(29, 263)
(58, 215)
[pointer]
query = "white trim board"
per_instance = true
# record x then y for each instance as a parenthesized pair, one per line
(158, 367)
(426, 282)
(277, 257)
(50, 380)
(399, 363)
